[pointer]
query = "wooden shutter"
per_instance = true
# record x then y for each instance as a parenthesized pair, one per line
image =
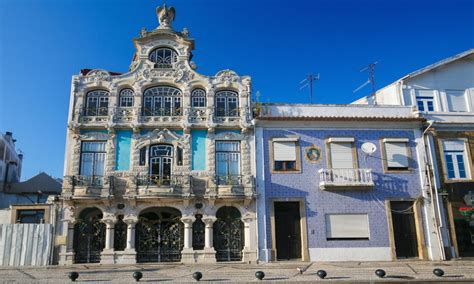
(347, 226)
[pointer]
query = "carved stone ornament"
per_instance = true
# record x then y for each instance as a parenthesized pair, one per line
(162, 136)
(165, 16)
(97, 76)
(226, 76)
(179, 73)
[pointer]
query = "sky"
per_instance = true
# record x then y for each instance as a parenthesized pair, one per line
(277, 43)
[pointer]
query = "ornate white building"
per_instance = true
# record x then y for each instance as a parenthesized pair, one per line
(158, 160)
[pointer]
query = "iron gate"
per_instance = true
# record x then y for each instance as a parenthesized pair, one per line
(228, 234)
(89, 237)
(159, 239)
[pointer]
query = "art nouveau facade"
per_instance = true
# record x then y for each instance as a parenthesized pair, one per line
(342, 183)
(158, 160)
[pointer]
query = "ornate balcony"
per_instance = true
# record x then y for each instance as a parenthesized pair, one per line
(94, 115)
(124, 114)
(197, 114)
(162, 114)
(345, 179)
(156, 185)
(234, 186)
(88, 186)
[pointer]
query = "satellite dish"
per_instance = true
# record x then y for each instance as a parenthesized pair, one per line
(368, 148)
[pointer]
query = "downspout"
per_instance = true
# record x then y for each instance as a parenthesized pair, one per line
(433, 193)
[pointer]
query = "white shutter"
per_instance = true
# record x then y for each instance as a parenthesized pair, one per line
(347, 226)
(284, 151)
(396, 153)
(424, 93)
(456, 100)
(341, 155)
(453, 145)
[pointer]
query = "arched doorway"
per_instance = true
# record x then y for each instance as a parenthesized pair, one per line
(228, 234)
(89, 236)
(159, 235)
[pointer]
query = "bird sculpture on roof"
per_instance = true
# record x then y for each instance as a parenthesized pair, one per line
(165, 16)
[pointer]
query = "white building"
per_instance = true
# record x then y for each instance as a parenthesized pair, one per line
(443, 93)
(158, 160)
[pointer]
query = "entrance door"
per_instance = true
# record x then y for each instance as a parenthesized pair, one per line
(404, 229)
(287, 230)
(89, 236)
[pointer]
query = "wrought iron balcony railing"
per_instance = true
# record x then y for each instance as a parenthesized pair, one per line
(101, 111)
(345, 178)
(229, 179)
(220, 112)
(82, 185)
(162, 180)
(166, 111)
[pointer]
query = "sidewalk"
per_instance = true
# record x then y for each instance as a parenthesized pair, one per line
(455, 271)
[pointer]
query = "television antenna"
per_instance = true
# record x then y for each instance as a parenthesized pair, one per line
(308, 82)
(371, 69)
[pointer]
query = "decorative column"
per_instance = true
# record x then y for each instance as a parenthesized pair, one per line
(108, 253)
(129, 254)
(187, 254)
(66, 254)
(211, 190)
(249, 253)
(209, 253)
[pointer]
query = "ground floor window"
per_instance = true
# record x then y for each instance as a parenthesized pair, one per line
(30, 216)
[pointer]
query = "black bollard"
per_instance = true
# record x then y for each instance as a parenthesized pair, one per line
(137, 275)
(197, 275)
(438, 272)
(322, 274)
(73, 276)
(380, 273)
(260, 275)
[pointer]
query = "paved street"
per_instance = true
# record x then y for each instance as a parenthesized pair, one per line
(458, 271)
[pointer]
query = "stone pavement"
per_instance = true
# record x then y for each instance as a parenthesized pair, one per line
(455, 271)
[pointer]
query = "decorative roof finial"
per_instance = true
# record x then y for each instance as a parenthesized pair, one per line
(165, 16)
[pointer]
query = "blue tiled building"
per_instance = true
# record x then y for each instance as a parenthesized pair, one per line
(341, 183)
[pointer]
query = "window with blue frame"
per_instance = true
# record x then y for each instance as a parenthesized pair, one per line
(425, 100)
(455, 157)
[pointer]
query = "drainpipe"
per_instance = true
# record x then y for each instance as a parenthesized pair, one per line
(433, 190)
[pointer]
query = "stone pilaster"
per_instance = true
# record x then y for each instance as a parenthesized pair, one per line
(108, 253)
(187, 254)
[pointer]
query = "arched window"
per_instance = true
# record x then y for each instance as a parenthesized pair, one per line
(198, 98)
(163, 57)
(162, 101)
(126, 98)
(227, 103)
(97, 103)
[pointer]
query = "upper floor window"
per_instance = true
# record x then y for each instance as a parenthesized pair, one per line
(93, 161)
(97, 103)
(425, 100)
(227, 103)
(198, 98)
(455, 157)
(456, 100)
(396, 154)
(163, 57)
(30, 216)
(162, 101)
(126, 98)
(228, 162)
(285, 154)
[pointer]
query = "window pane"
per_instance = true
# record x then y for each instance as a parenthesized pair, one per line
(87, 164)
(462, 170)
(396, 154)
(450, 166)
